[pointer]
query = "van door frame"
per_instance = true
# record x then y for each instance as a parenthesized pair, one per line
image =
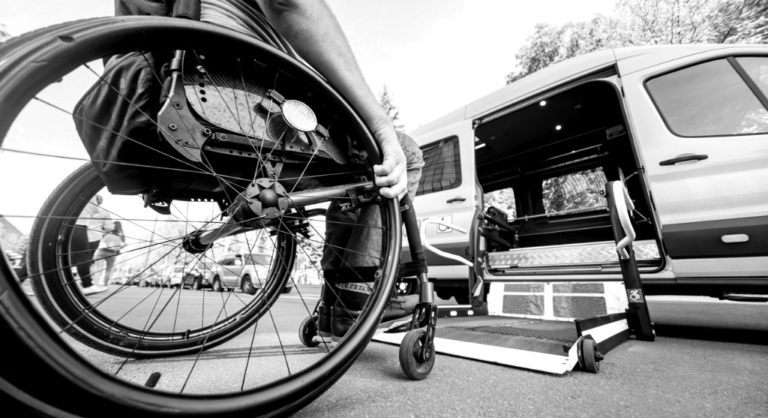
(611, 75)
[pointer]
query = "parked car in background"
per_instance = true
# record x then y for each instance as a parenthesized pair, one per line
(186, 274)
(201, 276)
(247, 272)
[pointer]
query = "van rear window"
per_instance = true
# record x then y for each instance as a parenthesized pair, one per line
(503, 199)
(575, 192)
(442, 166)
(708, 99)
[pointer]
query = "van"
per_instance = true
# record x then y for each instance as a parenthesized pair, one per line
(685, 128)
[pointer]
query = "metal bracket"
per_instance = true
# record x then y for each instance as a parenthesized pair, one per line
(176, 123)
(425, 315)
(623, 205)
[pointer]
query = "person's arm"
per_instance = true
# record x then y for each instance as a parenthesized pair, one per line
(313, 31)
(107, 224)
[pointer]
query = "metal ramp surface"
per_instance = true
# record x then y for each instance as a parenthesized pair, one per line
(538, 344)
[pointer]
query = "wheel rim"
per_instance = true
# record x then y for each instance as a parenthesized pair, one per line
(263, 397)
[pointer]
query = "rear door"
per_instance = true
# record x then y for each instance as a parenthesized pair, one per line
(702, 126)
(231, 269)
(447, 192)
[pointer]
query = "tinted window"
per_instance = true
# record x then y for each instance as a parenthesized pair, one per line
(575, 191)
(708, 99)
(442, 166)
(757, 68)
(258, 259)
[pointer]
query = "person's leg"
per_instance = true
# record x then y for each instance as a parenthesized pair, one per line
(80, 254)
(92, 246)
(353, 245)
(102, 266)
(99, 267)
(364, 240)
(108, 273)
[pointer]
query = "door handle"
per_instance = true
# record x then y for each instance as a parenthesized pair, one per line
(456, 199)
(684, 157)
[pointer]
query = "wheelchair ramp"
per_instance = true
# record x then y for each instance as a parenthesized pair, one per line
(546, 343)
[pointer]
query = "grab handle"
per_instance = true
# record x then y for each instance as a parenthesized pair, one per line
(683, 158)
(424, 222)
(623, 205)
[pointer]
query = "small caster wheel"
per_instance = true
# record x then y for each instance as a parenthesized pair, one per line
(590, 357)
(414, 366)
(308, 330)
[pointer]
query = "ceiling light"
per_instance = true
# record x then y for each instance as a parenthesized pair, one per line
(480, 146)
(543, 103)
(558, 127)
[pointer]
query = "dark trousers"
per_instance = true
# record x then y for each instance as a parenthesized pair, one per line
(81, 254)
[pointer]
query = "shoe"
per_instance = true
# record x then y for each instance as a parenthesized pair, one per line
(324, 321)
(94, 289)
(340, 324)
(400, 307)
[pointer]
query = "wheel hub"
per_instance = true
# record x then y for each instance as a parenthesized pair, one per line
(266, 198)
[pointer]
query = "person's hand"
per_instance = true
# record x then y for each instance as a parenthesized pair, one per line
(391, 174)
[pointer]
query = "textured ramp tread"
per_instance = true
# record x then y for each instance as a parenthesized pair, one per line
(550, 337)
(564, 335)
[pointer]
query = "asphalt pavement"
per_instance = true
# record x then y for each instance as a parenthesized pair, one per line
(710, 360)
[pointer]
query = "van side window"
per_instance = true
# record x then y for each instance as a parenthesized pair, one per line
(574, 192)
(757, 69)
(708, 99)
(503, 199)
(442, 166)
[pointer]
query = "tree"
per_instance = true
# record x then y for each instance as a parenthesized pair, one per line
(385, 98)
(742, 21)
(646, 22)
(550, 44)
(4, 33)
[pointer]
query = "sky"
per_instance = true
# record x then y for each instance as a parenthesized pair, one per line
(434, 56)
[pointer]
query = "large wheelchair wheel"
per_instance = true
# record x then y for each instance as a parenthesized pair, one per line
(106, 323)
(207, 190)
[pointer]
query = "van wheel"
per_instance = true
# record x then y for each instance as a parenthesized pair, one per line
(287, 289)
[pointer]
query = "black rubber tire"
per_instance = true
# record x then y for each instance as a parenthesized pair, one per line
(41, 60)
(288, 289)
(197, 284)
(247, 286)
(589, 355)
(409, 355)
(308, 330)
(217, 286)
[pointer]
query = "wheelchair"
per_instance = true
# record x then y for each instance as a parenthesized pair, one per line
(249, 145)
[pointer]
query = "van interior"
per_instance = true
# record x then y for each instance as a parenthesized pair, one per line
(543, 170)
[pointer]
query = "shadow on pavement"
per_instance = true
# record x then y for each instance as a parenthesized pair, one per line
(730, 335)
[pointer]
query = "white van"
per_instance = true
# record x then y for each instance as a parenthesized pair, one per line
(685, 126)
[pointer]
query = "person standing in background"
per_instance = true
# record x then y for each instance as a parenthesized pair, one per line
(108, 249)
(88, 231)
